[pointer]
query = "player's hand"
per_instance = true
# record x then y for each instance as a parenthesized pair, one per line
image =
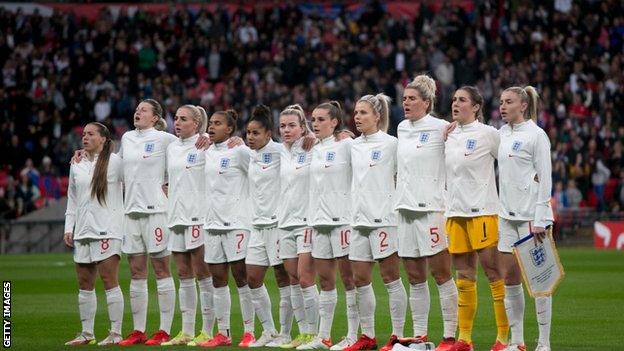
(68, 238)
(165, 189)
(234, 142)
(345, 134)
(203, 142)
(309, 141)
(449, 128)
(539, 233)
(78, 155)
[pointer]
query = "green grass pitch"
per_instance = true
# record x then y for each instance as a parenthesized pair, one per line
(588, 308)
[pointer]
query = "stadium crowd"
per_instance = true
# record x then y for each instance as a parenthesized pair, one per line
(60, 72)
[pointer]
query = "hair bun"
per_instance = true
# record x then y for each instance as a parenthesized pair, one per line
(232, 114)
(294, 107)
(426, 83)
(261, 111)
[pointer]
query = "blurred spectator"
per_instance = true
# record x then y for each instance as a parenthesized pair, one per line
(599, 178)
(573, 195)
(7, 205)
(559, 197)
(26, 195)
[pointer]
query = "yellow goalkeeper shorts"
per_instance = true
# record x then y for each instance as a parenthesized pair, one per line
(467, 234)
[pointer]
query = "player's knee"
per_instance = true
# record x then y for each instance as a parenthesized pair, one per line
(361, 281)
(85, 283)
(110, 282)
(441, 276)
(219, 280)
(348, 281)
(255, 281)
(492, 273)
(327, 283)
(185, 272)
(416, 277)
(161, 271)
(467, 274)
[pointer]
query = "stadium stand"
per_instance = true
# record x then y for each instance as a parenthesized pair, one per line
(64, 65)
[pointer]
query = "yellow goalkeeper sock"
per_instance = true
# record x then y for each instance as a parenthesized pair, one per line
(467, 308)
(498, 297)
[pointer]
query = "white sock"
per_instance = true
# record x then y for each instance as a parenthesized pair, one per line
(285, 311)
(187, 294)
(397, 298)
(353, 317)
(514, 306)
(262, 307)
(87, 305)
(115, 302)
(420, 302)
(366, 308)
(206, 292)
(543, 309)
(448, 305)
(247, 308)
(311, 304)
(166, 302)
(223, 304)
(327, 306)
(138, 303)
(296, 298)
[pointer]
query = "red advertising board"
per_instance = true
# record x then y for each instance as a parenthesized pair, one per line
(609, 235)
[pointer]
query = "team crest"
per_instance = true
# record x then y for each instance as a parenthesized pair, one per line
(424, 137)
(516, 146)
(376, 155)
(471, 144)
(267, 157)
(225, 163)
(301, 158)
(330, 157)
(538, 256)
(191, 158)
(149, 147)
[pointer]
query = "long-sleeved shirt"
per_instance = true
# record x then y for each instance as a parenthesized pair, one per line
(144, 159)
(470, 151)
(294, 186)
(525, 174)
(227, 187)
(185, 168)
(421, 173)
(85, 217)
(373, 161)
(330, 183)
(264, 183)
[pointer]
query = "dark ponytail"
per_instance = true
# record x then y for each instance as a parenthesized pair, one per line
(334, 110)
(231, 117)
(99, 182)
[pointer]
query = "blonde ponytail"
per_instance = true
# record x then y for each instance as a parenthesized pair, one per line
(381, 106)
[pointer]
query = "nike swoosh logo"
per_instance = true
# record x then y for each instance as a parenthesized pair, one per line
(299, 167)
(327, 166)
(265, 167)
(220, 172)
(189, 167)
(146, 156)
(372, 164)
(467, 154)
(510, 155)
(419, 146)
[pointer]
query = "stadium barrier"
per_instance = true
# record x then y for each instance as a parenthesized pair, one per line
(609, 235)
